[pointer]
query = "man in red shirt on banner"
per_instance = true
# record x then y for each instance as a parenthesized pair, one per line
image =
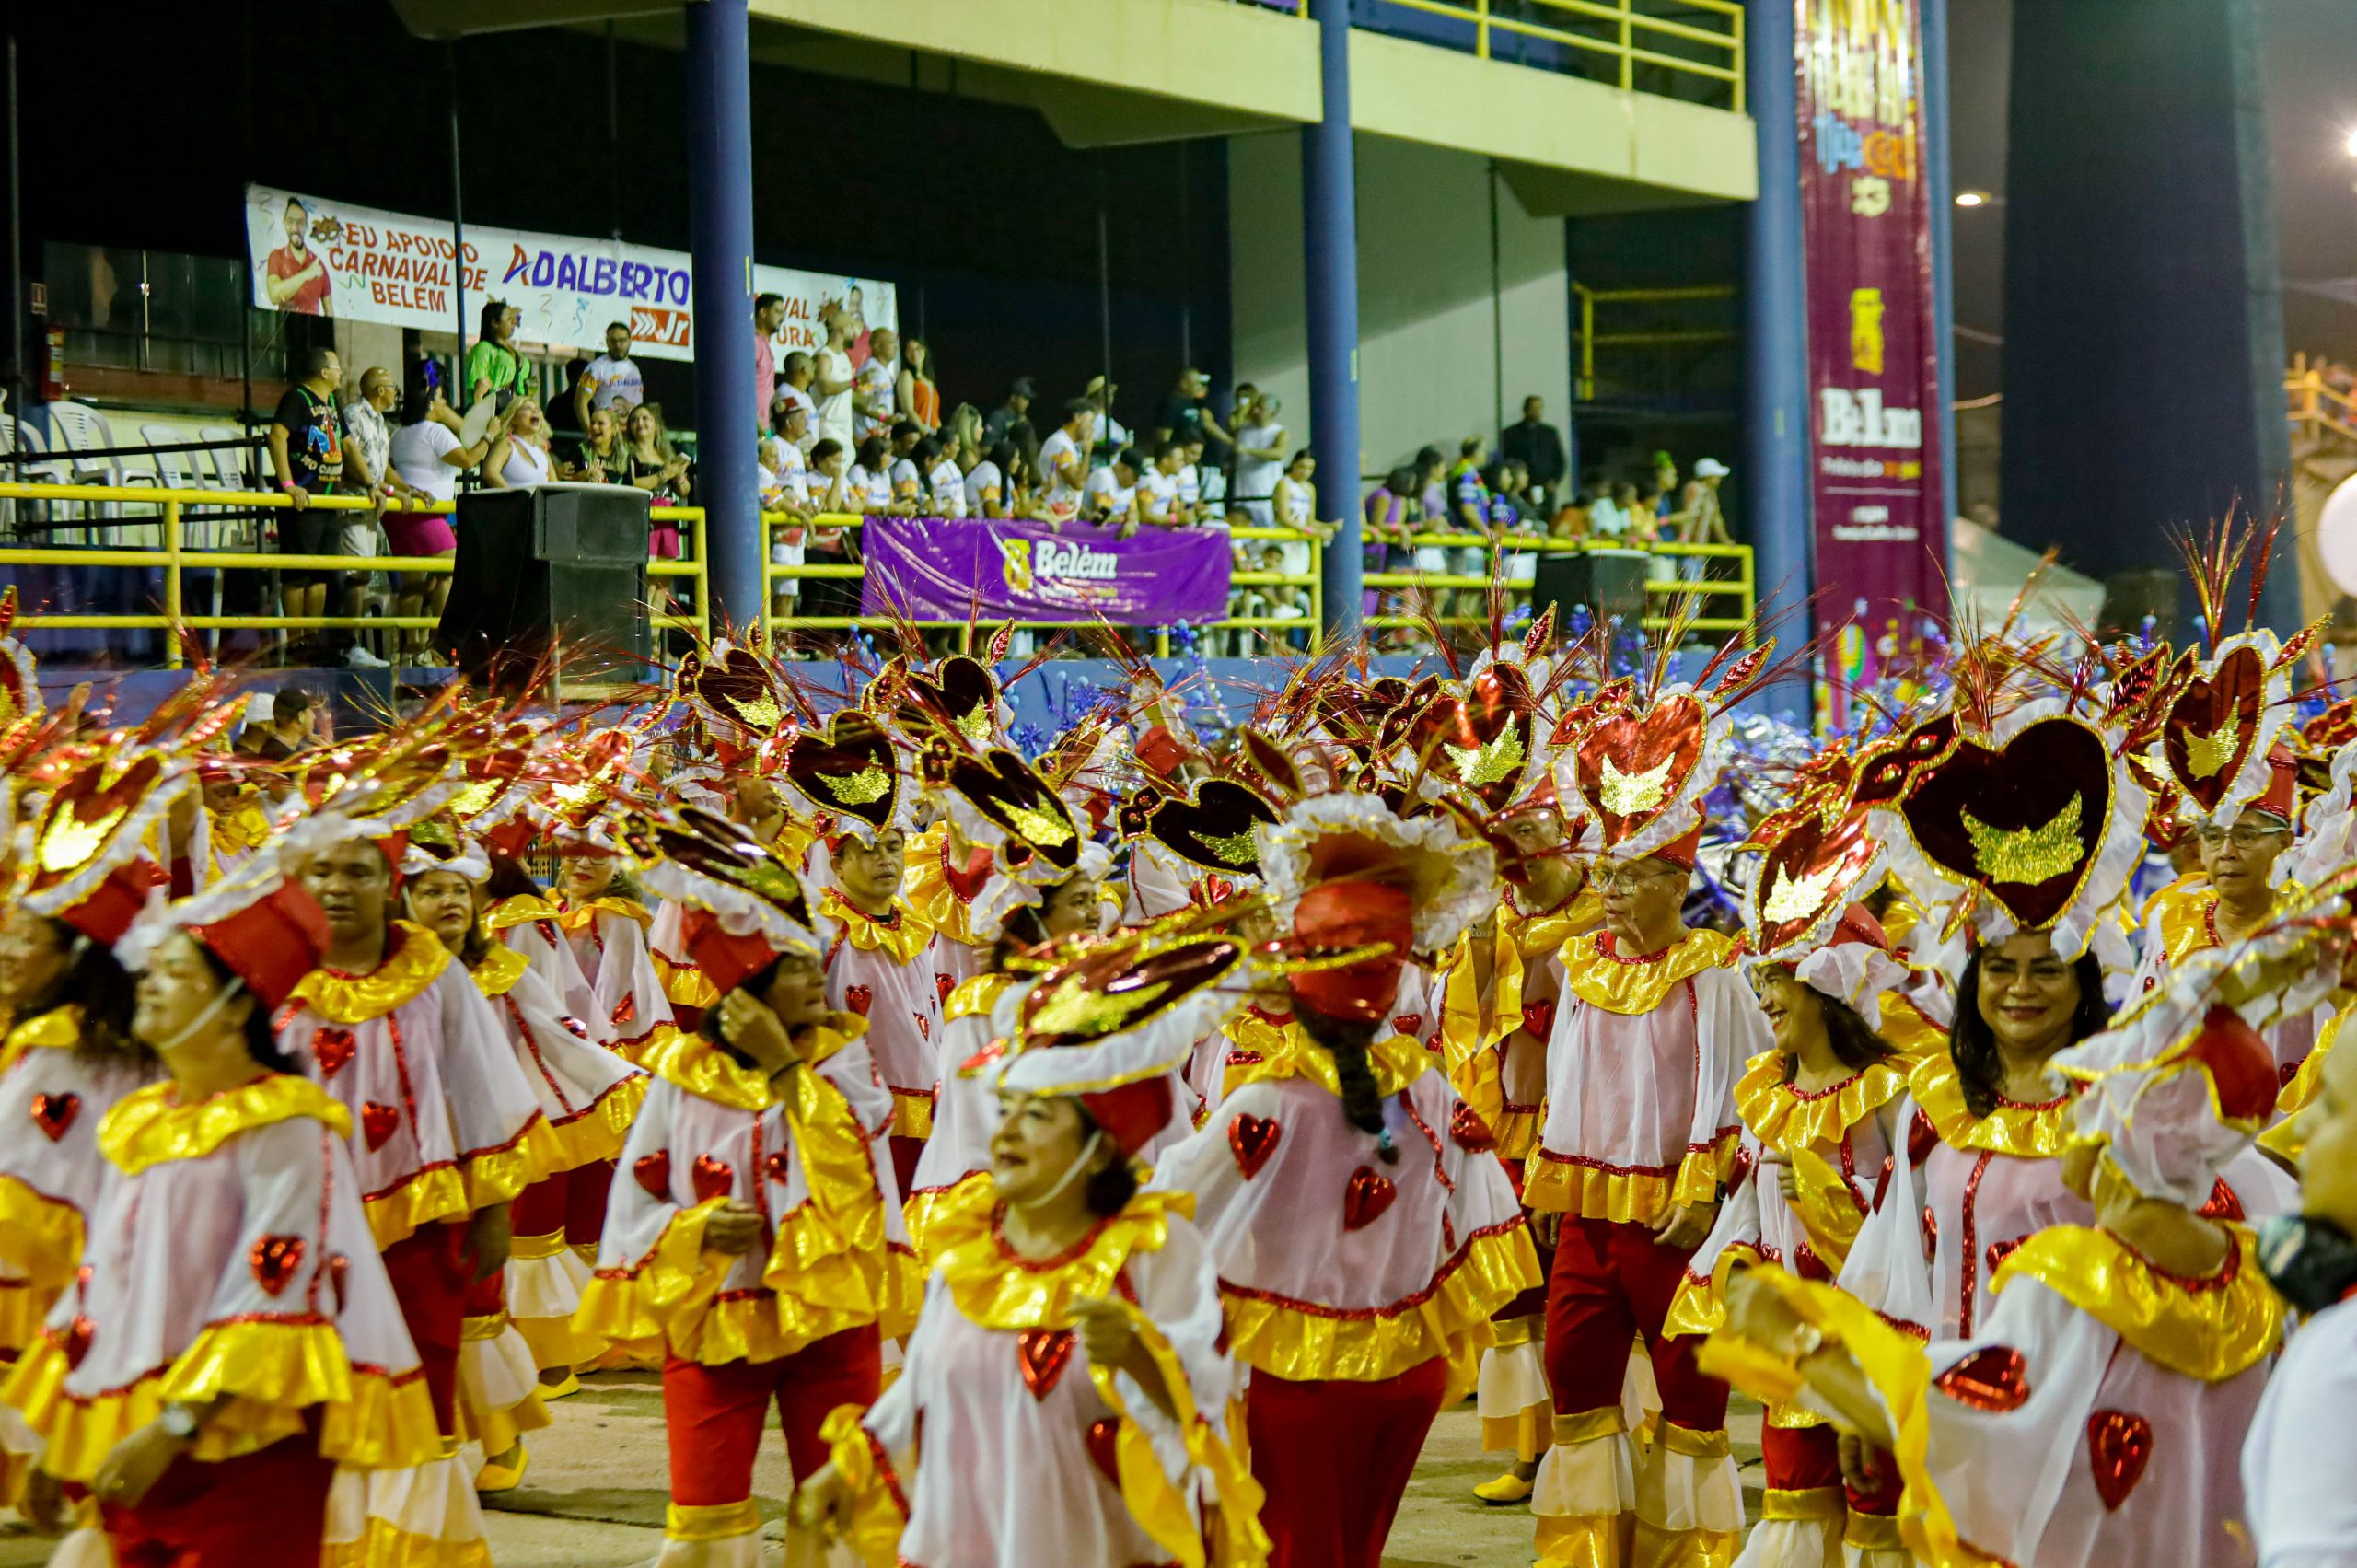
(297, 276)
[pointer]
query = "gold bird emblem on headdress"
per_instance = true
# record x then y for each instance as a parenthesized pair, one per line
(2025, 855)
(1794, 898)
(870, 783)
(1628, 794)
(2205, 754)
(1495, 760)
(1039, 827)
(974, 723)
(1075, 1007)
(761, 714)
(1233, 849)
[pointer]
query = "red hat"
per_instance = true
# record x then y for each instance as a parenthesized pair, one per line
(110, 907)
(1341, 915)
(727, 959)
(1133, 1113)
(2282, 794)
(1683, 851)
(271, 943)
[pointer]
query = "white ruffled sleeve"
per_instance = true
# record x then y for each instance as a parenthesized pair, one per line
(1887, 1269)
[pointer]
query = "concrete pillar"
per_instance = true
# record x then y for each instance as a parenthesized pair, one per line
(1329, 264)
(1940, 188)
(720, 229)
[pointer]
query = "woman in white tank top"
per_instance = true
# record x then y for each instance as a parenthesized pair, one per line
(519, 460)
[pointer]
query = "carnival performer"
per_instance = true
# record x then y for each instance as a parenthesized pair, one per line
(1363, 1228)
(606, 925)
(879, 951)
(1639, 1134)
(230, 1338)
(754, 1243)
(587, 1095)
(2089, 1418)
(445, 1128)
(1069, 1374)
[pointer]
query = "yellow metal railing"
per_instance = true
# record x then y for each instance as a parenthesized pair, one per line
(776, 572)
(171, 509)
(1661, 595)
(2315, 407)
(1630, 33)
(1590, 340)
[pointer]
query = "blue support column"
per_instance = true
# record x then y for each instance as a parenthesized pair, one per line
(1775, 348)
(1331, 259)
(720, 229)
(1939, 180)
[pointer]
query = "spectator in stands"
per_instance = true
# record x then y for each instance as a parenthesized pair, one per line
(1468, 514)
(1063, 463)
(1706, 522)
(945, 480)
(1109, 497)
(1509, 486)
(831, 375)
(1197, 478)
(649, 463)
(428, 456)
(768, 314)
(987, 491)
(870, 478)
(601, 448)
(790, 493)
(1432, 487)
(293, 721)
(1107, 434)
(1666, 471)
(830, 479)
(612, 382)
(496, 364)
(965, 426)
(306, 460)
(831, 494)
(519, 459)
(1186, 412)
(791, 424)
(1388, 537)
(1016, 408)
(906, 471)
(915, 393)
(1260, 458)
(876, 388)
(1295, 505)
(1160, 503)
(1538, 447)
(367, 445)
(794, 386)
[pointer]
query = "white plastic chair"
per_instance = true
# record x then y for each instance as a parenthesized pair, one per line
(76, 428)
(18, 436)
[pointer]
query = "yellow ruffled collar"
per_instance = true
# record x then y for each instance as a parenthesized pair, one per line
(703, 1069)
(60, 1028)
(499, 970)
(976, 998)
(901, 935)
(145, 1128)
(1397, 1061)
(996, 1288)
(573, 919)
(1542, 932)
(2211, 1328)
(1790, 1119)
(2024, 1132)
(414, 959)
(521, 910)
(1599, 976)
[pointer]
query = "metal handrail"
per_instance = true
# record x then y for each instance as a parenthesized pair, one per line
(1627, 23)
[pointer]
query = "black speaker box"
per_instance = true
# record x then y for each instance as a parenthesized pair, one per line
(1608, 582)
(561, 563)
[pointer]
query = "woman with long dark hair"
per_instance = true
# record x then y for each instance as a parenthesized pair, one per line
(1363, 1225)
(231, 1338)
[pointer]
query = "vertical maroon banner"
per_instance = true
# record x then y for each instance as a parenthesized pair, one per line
(1881, 544)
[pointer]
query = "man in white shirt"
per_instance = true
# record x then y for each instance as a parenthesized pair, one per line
(794, 388)
(986, 483)
(1160, 501)
(1063, 467)
(1107, 434)
(1109, 494)
(873, 395)
(612, 380)
(830, 379)
(1192, 495)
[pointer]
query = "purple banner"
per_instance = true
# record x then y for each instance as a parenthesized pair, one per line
(1881, 544)
(943, 568)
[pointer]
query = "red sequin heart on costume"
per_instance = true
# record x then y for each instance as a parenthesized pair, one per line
(55, 1113)
(1992, 1379)
(1408, 1024)
(625, 1011)
(1810, 871)
(2027, 816)
(711, 1178)
(1538, 1018)
(1365, 1198)
(1472, 1133)
(1252, 1138)
(1104, 1449)
(1631, 768)
(275, 1260)
(2223, 1204)
(2119, 1444)
(75, 1341)
(331, 1049)
(1808, 1265)
(924, 1025)
(945, 985)
(1930, 1233)
(653, 1172)
(378, 1121)
(1043, 1353)
(1995, 1254)
(775, 1166)
(2223, 713)
(339, 1266)
(858, 998)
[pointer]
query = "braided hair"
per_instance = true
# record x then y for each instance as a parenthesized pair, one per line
(1347, 1039)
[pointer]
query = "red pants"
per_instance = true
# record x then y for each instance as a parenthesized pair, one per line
(713, 1415)
(906, 1152)
(1609, 1283)
(540, 1209)
(431, 1273)
(1335, 1459)
(584, 1203)
(267, 1509)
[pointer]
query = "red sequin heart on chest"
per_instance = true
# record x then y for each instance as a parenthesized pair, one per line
(1365, 1198)
(1252, 1138)
(711, 1178)
(55, 1113)
(2120, 1444)
(1042, 1354)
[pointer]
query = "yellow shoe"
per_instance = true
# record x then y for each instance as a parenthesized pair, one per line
(505, 1478)
(570, 1385)
(1507, 1489)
